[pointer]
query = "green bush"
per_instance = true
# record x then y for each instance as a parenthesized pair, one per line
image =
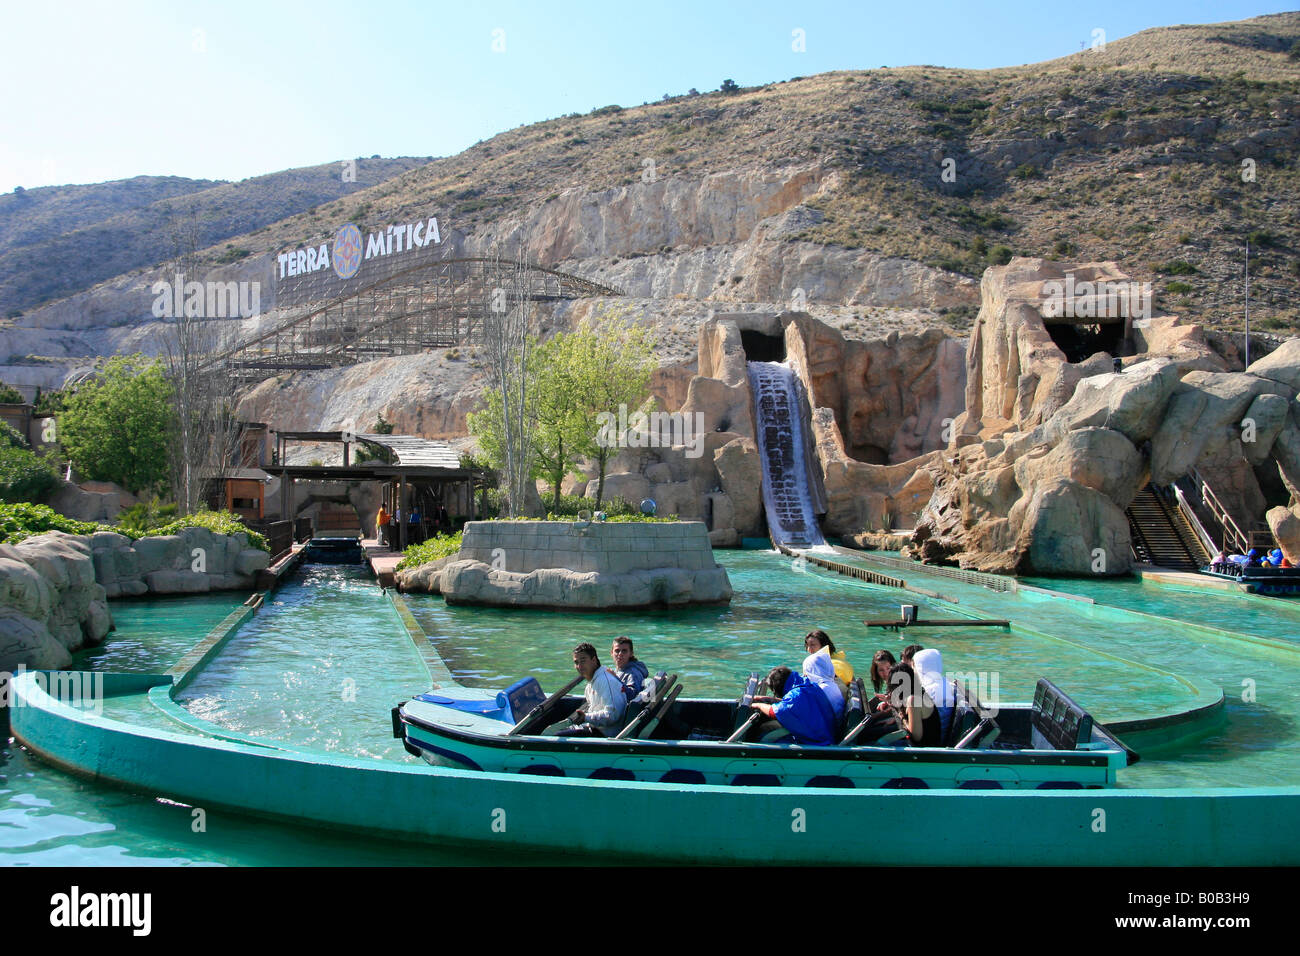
(218, 522)
(19, 521)
(10, 395)
(1178, 267)
(439, 546)
(1178, 288)
(24, 475)
(11, 437)
(143, 517)
(1000, 255)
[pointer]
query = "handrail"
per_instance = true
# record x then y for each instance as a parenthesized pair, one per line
(1189, 514)
(1232, 536)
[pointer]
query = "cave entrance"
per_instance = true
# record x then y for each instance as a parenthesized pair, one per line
(1081, 340)
(762, 348)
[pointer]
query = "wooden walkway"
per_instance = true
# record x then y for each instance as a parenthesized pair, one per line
(382, 561)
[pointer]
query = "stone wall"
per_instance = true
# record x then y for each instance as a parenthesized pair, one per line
(616, 547)
(563, 564)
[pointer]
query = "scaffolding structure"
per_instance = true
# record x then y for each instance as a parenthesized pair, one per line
(439, 303)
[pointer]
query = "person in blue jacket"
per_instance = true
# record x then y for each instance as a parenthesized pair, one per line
(803, 711)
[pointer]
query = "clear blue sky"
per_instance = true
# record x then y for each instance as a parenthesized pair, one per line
(226, 90)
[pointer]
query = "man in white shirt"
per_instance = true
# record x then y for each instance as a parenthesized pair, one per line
(602, 713)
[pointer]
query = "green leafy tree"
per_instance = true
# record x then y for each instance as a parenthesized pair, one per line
(572, 380)
(24, 475)
(562, 425)
(119, 426)
(612, 368)
(10, 395)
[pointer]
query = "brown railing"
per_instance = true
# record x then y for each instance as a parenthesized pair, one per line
(279, 536)
(1233, 539)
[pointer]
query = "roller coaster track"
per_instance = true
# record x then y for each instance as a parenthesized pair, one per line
(431, 305)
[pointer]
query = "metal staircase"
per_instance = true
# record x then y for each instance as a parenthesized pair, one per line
(1162, 534)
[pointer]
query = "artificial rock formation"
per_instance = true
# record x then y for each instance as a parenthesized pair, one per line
(1049, 453)
(50, 603)
(54, 587)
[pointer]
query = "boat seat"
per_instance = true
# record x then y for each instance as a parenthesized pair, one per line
(648, 718)
(855, 709)
(520, 698)
(743, 711)
(964, 716)
(978, 728)
(1057, 720)
(638, 703)
(653, 721)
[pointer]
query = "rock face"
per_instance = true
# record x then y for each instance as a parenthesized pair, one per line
(193, 562)
(50, 604)
(559, 564)
(1049, 453)
(54, 587)
(91, 501)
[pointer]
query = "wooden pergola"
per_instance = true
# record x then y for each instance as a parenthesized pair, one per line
(415, 473)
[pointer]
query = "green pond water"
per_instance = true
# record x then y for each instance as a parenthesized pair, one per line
(321, 665)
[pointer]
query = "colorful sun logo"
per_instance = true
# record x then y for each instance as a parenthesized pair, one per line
(347, 251)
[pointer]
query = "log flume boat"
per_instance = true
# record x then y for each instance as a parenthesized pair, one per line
(1051, 743)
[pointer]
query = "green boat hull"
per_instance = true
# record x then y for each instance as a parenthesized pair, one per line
(609, 820)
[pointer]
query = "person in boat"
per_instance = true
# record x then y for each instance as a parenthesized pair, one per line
(631, 673)
(802, 713)
(602, 712)
(820, 669)
(816, 640)
(880, 665)
(911, 705)
(928, 665)
(1274, 558)
(1252, 558)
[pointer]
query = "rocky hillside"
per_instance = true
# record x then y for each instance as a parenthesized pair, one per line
(58, 240)
(872, 199)
(1133, 153)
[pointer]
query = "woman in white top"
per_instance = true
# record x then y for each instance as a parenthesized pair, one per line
(820, 669)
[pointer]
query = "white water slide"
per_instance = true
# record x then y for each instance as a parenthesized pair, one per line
(787, 495)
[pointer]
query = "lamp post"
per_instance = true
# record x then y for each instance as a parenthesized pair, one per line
(1247, 302)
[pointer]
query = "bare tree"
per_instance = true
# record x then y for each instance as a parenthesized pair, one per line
(207, 434)
(508, 339)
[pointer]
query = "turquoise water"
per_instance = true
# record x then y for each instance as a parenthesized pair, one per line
(323, 662)
(321, 666)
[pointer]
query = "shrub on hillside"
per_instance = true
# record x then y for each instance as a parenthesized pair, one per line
(218, 522)
(24, 475)
(439, 546)
(22, 520)
(144, 516)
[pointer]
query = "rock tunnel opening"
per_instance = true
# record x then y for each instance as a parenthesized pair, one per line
(1080, 341)
(762, 348)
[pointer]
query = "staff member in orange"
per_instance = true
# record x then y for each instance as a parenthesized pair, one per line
(381, 525)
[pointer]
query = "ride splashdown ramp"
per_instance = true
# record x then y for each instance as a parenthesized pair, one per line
(788, 486)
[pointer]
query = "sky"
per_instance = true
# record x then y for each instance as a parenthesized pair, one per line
(227, 90)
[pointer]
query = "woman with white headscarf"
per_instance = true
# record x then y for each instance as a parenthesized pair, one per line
(928, 665)
(819, 669)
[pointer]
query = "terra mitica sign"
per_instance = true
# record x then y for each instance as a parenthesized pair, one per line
(350, 248)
